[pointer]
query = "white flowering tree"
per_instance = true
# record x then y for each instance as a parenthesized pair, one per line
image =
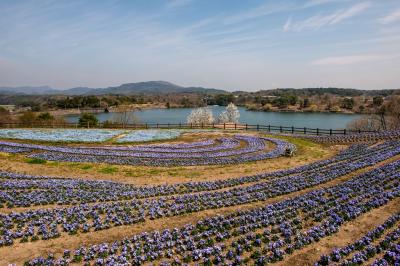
(229, 115)
(200, 116)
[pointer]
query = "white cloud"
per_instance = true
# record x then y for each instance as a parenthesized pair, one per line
(178, 3)
(259, 11)
(352, 59)
(391, 18)
(318, 21)
(287, 25)
(312, 3)
(351, 12)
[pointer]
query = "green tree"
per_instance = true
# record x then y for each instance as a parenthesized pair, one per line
(348, 103)
(377, 101)
(306, 103)
(45, 117)
(281, 102)
(292, 99)
(223, 99)
(88, 120)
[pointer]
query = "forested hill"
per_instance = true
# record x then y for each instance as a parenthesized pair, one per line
(320, 91)
(144, 88)
(164, 87)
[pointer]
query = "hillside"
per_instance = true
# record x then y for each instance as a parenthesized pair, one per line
(344, 92)
(145, 88)
(27, 90)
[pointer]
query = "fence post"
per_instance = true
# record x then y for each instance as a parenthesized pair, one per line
(317, 131)
(235, 126)
(224, 125)
(246, 126)
(269, 128)
(344, 131)
(190, 125)
(292, 130)
(359, 131)
(330, 131)
(258, 127)
(280, 128)
(305, 130)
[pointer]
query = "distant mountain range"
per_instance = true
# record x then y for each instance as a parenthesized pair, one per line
(164, 87)
(149, 87)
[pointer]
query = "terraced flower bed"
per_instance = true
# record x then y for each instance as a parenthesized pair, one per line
(357, 137)
(226, 150)
(259, 236)
(382, 243)
(17, 191)
(268, 217)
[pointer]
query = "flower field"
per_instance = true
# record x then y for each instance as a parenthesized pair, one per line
(92, 135)
(267, 217)
(222, 151)
(149, 135)
(69, 135)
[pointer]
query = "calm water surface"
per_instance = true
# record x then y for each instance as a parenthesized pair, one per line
(178, 115)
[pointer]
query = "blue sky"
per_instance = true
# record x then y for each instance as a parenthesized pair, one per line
(228, 44)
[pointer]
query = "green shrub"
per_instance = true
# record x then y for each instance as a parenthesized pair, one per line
(88, 120)
(108, 170)
(35, 161)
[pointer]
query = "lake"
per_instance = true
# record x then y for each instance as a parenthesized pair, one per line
(178, 115)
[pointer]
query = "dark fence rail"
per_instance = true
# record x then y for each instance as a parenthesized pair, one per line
(230, 126)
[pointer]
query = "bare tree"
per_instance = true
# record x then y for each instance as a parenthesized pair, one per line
(392, 109)
(124, 116)
(368, 123)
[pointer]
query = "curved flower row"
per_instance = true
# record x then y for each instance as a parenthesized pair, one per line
(365, 248)
(84, 218)
(253, 151)
(196, 146)
(261, 236)
(25, 190)
(11, 149)
(359, 137)
(391, 256)
(140, 151)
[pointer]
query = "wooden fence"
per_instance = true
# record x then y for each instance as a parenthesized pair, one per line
(230, 126)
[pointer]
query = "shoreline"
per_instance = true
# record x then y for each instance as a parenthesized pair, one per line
(137, 107)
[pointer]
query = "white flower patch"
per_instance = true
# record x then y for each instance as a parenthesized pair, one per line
(149, 135)
(72, 135)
